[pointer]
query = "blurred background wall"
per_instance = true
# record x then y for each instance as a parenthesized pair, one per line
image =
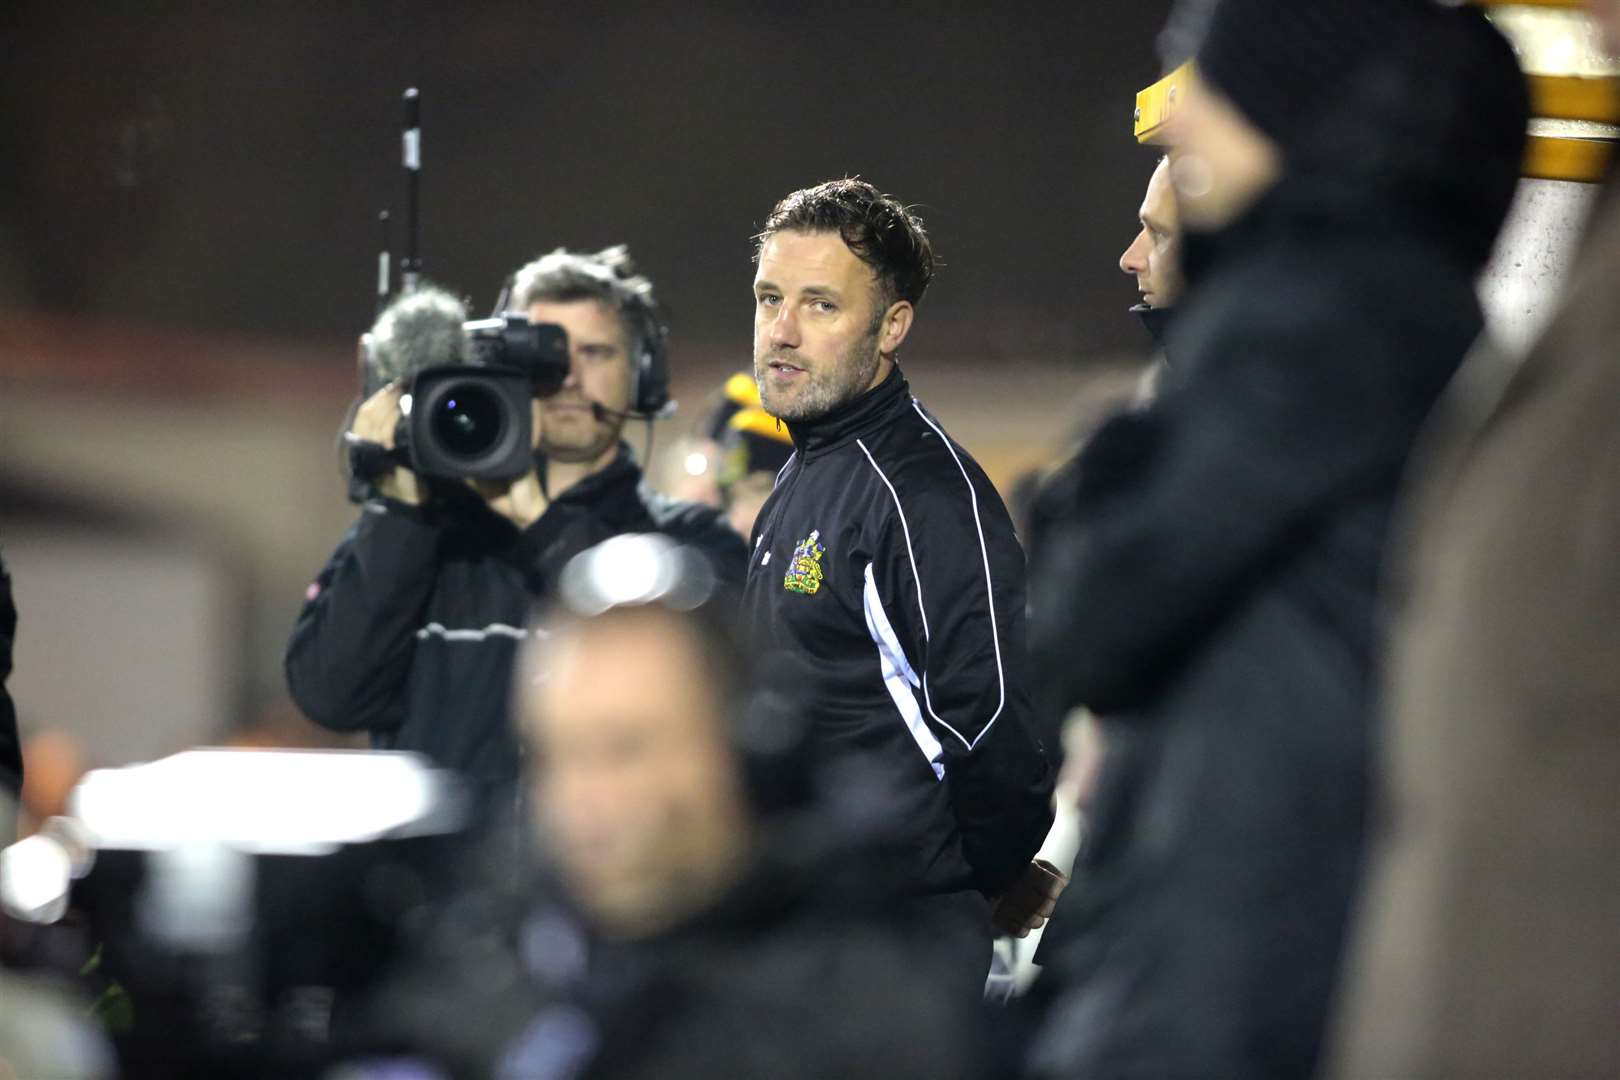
(187, 235)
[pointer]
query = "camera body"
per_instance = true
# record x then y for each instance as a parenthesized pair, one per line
(475, 419)
(470, 415)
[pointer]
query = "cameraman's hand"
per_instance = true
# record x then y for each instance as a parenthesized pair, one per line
(374, 422)
(520, 501)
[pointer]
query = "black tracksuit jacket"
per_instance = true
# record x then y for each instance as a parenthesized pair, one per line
(886, 590)
(411, 628)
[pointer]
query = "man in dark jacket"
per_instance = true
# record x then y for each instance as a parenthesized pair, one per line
(885, 579)
(410, 629)
(1342, 173)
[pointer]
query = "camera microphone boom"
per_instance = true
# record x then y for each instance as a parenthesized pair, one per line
(410, 268)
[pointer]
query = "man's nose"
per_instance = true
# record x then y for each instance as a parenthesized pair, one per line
(785, 329)
(1134, 260)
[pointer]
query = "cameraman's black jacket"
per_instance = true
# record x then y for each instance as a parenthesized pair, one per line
(887, 587)
(410, 630)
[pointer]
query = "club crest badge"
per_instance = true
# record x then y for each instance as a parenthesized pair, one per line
(804, 569)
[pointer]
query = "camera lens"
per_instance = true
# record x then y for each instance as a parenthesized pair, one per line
(467, 420)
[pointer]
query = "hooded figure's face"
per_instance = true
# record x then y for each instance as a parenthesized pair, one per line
(1220, 162)
(1408, 116)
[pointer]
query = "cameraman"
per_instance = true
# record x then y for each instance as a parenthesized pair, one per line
(409, 631)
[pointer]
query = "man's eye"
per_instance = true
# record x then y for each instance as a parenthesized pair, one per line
(822, 306)
(767, 300)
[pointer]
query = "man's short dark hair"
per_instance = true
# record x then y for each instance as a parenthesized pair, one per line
(608, 276)
(882, 233)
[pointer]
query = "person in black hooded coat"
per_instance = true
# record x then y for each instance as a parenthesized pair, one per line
(1212, 590)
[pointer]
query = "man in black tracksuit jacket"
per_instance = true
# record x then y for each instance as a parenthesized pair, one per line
(410, 630)
(885, 583)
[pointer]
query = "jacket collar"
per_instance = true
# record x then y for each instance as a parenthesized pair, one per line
(611, 494)
(868, 412)
(617, 481)
(1156, 320)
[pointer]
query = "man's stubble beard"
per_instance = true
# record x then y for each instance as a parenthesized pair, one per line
(850, 377)
(583, 450)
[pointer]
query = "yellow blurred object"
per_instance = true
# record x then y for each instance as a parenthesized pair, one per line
(757, 421)
(1551, 157)
(1574, 90)
(1530, 3)
(1155, 104)
(1567, 152)
(743, 390)
(1567, 97)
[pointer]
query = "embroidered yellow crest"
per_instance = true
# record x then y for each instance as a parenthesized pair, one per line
(804, 569)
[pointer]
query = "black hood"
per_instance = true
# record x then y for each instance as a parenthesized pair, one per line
(1425, 138)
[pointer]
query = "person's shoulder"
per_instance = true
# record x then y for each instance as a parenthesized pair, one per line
(933, 484)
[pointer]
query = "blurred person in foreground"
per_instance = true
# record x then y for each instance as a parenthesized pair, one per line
(1342, 172)
(1489, 938)
(409, 631)
(886, 584)
(714, 911)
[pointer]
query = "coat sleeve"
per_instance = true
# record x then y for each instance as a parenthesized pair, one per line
(947, 595)
(351, 650)
(1175, 510)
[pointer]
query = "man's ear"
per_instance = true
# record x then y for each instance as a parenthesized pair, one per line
(895, 326)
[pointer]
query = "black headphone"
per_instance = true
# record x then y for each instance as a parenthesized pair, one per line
(651, 397)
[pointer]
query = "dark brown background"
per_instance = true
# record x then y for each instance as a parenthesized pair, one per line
(218, 166)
